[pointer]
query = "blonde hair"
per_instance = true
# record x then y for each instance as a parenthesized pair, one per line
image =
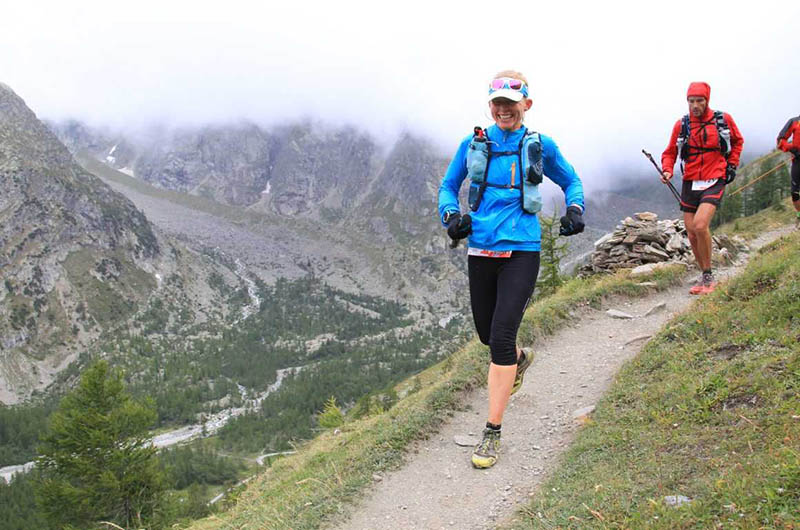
(513, 74)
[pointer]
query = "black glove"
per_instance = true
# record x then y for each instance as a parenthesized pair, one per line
(572, 223)
(730, 173)
(458, 226)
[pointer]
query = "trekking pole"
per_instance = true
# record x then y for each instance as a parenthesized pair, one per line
(776, 168)
(661, 174)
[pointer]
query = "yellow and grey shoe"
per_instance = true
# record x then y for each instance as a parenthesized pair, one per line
(524, 362)
(485, 453)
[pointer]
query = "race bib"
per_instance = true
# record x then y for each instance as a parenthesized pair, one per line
(489, 253)
(700, 185)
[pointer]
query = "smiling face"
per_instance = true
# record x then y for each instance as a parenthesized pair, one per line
(697, 106)
(507, 114)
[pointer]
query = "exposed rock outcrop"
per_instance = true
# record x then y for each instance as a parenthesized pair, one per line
(76, 257)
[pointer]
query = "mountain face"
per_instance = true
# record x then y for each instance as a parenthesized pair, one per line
(300, 170)
(77, 258)
(309, 199)
(290, 170)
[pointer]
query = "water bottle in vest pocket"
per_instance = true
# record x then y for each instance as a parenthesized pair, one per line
(477, 164)
(477, 159)
(533, 172)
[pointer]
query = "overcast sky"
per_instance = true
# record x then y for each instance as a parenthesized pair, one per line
(607, 78)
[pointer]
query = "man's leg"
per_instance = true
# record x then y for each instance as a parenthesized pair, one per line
(688, 221)
(701, 221)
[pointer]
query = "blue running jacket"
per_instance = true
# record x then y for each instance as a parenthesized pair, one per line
(500, 223)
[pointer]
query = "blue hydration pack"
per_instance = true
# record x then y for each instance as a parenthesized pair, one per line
(529, 152)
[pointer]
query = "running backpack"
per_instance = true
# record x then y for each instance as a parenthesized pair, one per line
(685, 149)
(529, 151)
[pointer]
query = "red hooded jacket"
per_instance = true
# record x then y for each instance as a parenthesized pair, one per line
(705, 165)
(792, 128)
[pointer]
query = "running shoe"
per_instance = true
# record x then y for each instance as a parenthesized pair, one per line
(485, 453)
(708, 284)
(524, 361)
(697, 288)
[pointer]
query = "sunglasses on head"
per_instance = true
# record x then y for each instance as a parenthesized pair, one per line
(508, 83)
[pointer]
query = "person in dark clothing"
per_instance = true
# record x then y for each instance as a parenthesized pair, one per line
(789, 142)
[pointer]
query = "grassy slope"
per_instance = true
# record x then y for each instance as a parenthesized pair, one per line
(708, 410)
(770, 218)
(300, 491)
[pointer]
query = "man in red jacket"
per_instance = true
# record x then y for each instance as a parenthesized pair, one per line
(792, 129)
(708, 144)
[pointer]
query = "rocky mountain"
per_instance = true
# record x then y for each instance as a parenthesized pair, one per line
(300, 199)
(301, 170)
(77, 258)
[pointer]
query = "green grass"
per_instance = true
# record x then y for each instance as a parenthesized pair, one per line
(317, 484)
(780, 214)
(708, 410)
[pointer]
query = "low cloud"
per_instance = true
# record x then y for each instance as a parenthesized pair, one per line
(606, 79)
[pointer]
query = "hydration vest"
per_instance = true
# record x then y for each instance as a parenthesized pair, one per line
(686, 150)
(529, 152)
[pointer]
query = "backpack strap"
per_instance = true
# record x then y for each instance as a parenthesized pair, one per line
(475, 200)
(723, 132)
(682, 144)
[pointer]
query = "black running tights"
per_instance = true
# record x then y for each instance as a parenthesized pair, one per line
(499, 290)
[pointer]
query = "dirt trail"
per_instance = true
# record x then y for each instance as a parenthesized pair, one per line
(438, 488)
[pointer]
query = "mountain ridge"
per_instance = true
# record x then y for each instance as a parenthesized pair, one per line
(77, 257)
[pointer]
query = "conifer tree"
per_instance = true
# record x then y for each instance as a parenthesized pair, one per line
(96, 460)
(331, 415)
(553, 251)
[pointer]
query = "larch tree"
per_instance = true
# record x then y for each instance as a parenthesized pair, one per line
(96, 460)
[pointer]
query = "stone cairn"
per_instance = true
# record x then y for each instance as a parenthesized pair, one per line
(642, 240)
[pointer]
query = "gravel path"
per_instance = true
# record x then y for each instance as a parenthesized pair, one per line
(438, 488)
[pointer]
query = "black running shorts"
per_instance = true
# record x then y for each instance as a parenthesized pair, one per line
(691, 199)
(796, 179)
